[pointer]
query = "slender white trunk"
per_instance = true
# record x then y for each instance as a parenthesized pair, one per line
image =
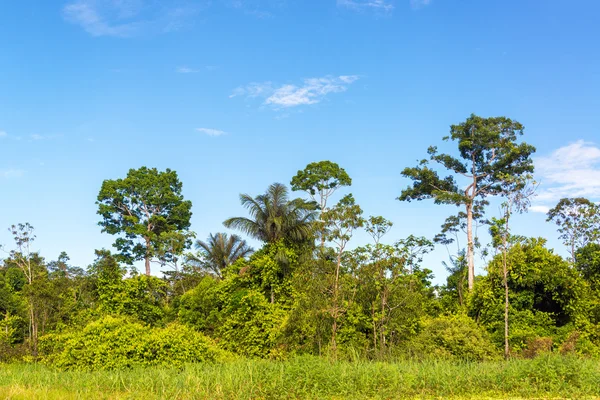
(147, 260)
(470, 247)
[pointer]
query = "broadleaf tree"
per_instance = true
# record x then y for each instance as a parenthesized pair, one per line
(578, 221)
(488, 151)
(320, 180)
(142, 209)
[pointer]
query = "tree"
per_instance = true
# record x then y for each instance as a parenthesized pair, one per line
(588, 263)
(578, 221)
(487, 151)
(220, 251)
(545, 291)
(341, 221)
(143, 209)
(518, 193)
(320, 180)
(273, 216)
(453, 293)
(29, 263)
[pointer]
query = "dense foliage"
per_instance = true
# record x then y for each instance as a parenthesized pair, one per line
(308, 289)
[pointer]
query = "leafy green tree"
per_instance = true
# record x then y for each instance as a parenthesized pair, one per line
(546, 294)
(273, 216)
(31, 265)
(392, 289)
(453, 292)
(143, 209)
(487, 152)
(517, 194)
(200, 307)
(341, 222)
(142, 297)
(219, 252)
(578, 221)
(321, 180)
(588, 263)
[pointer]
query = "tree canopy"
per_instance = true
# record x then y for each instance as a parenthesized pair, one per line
(144, 209)
(488, 151)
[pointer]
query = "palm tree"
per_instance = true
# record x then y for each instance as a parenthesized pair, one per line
(274, 217)
(220, 251)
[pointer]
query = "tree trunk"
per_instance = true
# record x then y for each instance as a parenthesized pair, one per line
(34, 329)
(505, 271)
(470, 247)
(335, 313)
(147, 259)
(382, 324)
(374, 322)
(506, 347)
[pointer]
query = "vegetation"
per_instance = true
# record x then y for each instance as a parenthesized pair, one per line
(309, 313)
(314, 378)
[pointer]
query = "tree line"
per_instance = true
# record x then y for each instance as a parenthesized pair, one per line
(306, 289)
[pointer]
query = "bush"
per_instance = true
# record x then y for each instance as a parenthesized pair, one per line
(453, 337)
(117, 343)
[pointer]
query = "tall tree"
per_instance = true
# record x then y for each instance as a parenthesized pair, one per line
(518, 193)
(487, 152)
(341, 222)
(144, 209)
(220, 251)
(273, 216)
(33, 268)
(321, 180)
(578, 221)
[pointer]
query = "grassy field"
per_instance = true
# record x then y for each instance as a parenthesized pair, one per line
(313, 378)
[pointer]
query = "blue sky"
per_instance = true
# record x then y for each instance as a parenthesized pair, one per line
(237, 94)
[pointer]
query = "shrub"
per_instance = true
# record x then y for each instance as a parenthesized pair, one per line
(251, 325)
(453, 337)
(117, 342)
(537, 346)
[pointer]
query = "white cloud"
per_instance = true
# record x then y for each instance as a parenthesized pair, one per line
(3, 134)
(570, 171)
(37, 137)
(127, 18)
(211, 132)
(311, 91)
(419, 3)
(539, 209)
(253, 90)
(185, 70)
(11, 173)
(378, 5)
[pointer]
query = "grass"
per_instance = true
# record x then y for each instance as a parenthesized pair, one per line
(313, 378)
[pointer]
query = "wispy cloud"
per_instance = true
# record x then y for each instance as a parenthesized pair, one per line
(186, 70)
(3, 134)
(10, 173)
(127, 18)
(569, 171)
(376, 5)
(415, 4)
(211, 132)
(311, 91)
(37, 137)
(189, 70)
(257, 8)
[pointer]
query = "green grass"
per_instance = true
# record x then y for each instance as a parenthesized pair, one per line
(313, 378)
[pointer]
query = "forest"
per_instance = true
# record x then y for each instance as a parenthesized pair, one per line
(310, 298)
